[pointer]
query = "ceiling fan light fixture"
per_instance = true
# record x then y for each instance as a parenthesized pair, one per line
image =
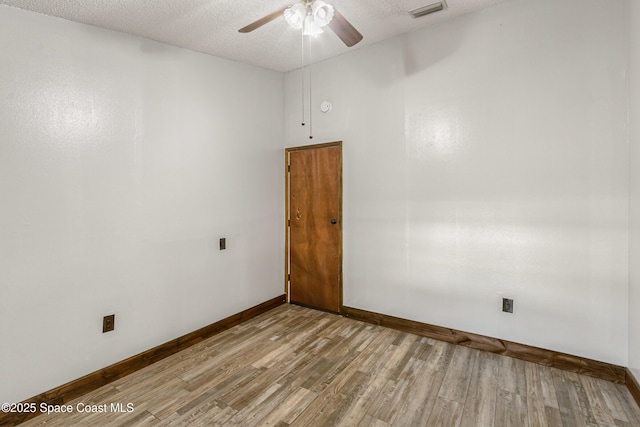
(309, 16)
(295, 15)
(428, 9)
(311, 27)
(322, 13)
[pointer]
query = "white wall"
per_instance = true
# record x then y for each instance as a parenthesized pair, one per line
(484, 158)
(634, 156)
(122, 161)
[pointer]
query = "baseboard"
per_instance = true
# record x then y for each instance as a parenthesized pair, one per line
(541, 356)
(633, 386)
(97, 379)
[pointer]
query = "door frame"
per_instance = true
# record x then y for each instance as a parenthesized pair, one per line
(287, 255)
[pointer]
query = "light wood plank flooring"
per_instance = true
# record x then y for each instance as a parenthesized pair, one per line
(301, 367)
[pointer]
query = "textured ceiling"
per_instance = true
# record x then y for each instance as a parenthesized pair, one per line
(211, 26)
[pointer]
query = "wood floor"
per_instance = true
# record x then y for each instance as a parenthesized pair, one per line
(301, 367)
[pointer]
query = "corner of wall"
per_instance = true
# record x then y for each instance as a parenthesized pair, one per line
(634, 188)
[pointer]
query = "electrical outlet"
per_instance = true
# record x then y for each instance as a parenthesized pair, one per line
(108, 323)
(223, 243)
(507, 305)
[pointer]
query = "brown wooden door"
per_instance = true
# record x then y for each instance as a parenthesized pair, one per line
(315, 236)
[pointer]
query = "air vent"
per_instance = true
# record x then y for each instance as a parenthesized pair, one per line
(429, 9)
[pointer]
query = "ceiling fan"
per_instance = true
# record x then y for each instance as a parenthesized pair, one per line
(311, 16)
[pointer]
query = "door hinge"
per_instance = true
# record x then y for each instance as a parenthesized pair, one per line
(288, 223)
(288, 168)
(288, 277)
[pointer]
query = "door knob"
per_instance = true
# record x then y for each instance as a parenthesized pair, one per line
(334, 221)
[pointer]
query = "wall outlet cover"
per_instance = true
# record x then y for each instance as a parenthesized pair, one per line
(108, 323)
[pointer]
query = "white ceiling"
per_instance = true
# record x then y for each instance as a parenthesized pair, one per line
(211, 26)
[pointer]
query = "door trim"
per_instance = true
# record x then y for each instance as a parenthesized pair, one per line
(287, 151)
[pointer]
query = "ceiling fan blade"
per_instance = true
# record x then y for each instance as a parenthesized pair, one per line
(344, 30)
(260, 22)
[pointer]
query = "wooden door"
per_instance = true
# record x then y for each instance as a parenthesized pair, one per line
(315, 226)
